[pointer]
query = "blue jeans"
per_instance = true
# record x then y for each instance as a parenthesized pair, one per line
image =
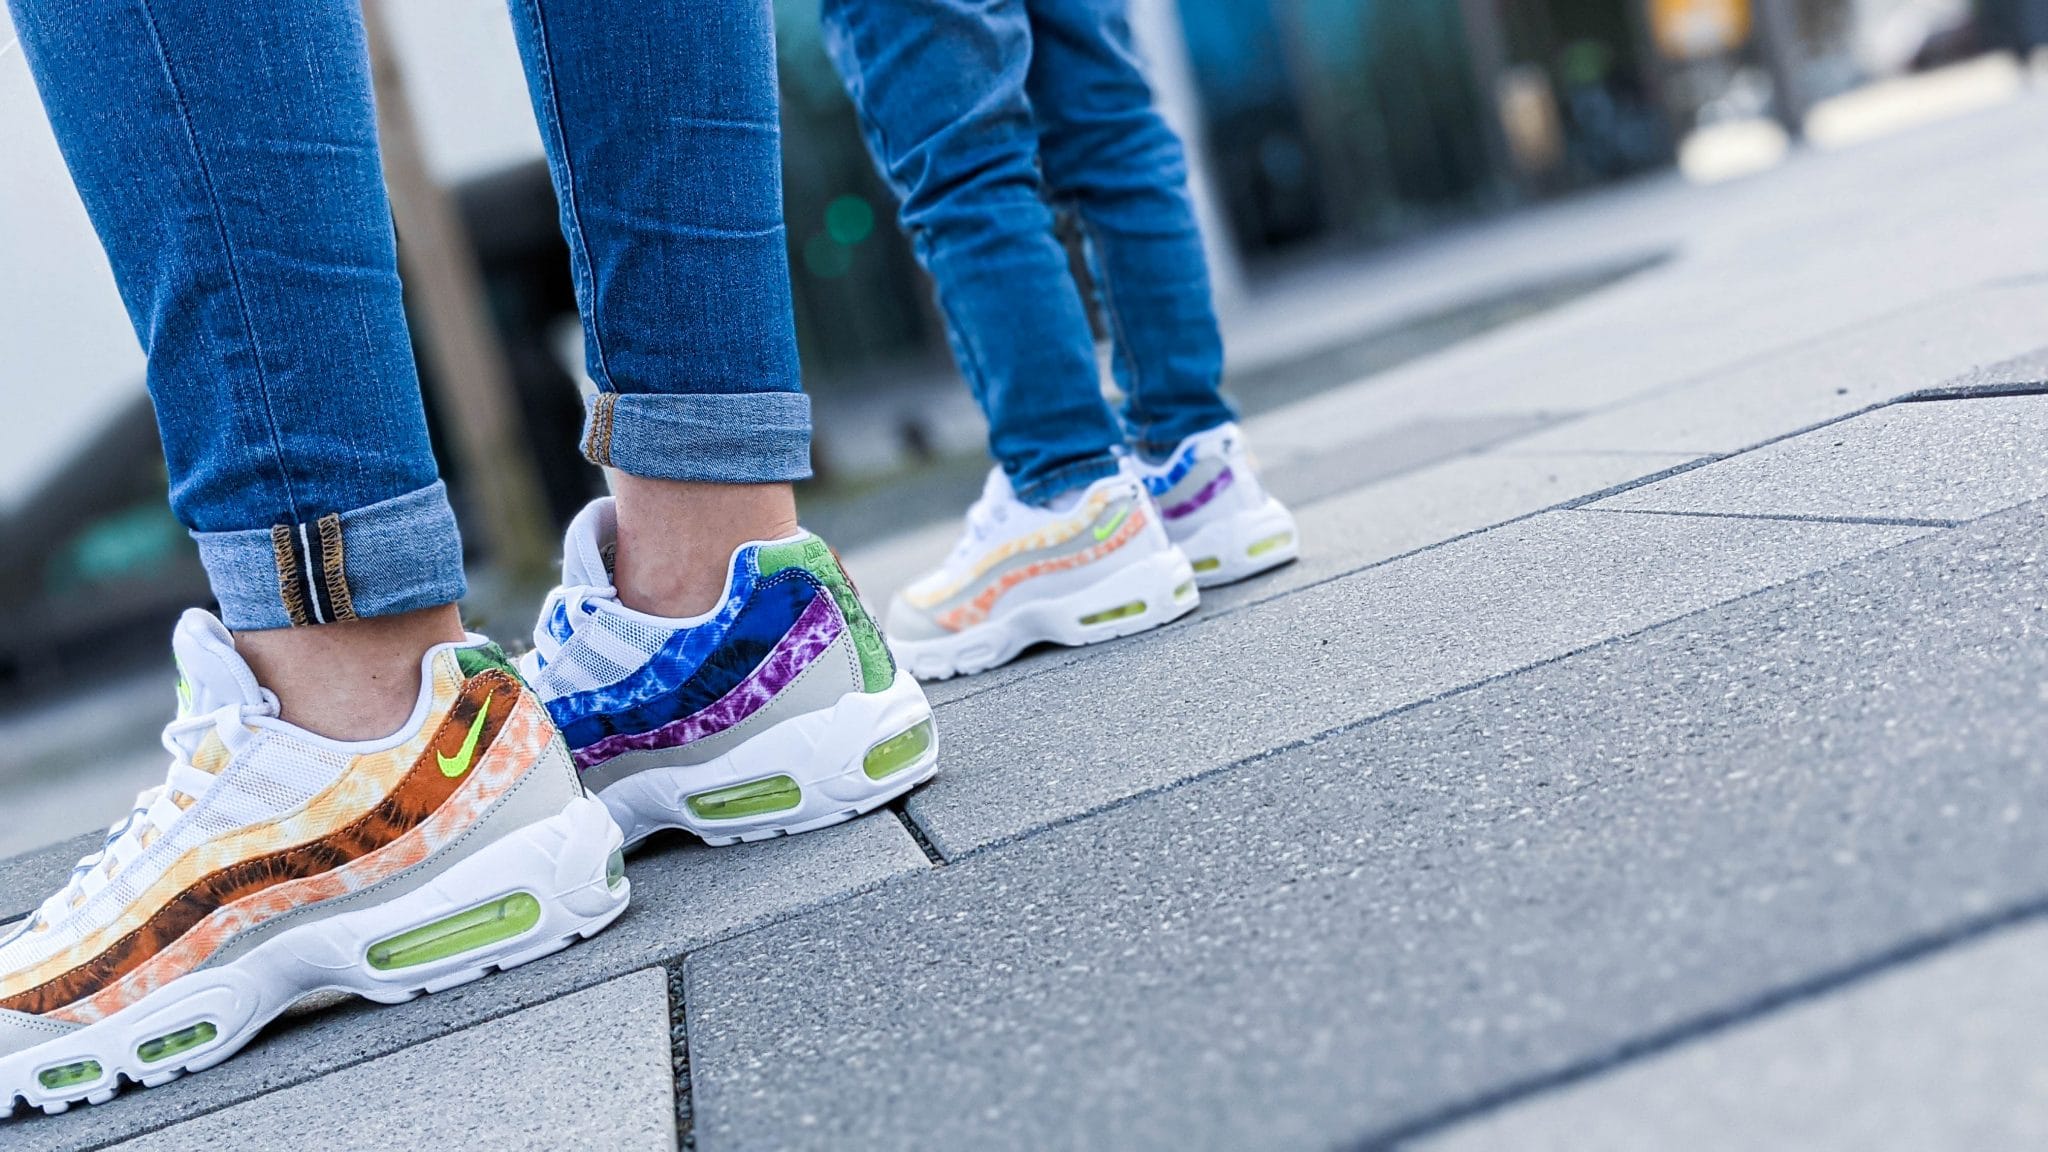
(227, 153)
(985, 115)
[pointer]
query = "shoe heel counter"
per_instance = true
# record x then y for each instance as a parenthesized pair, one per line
(817, 560)
(552, 772)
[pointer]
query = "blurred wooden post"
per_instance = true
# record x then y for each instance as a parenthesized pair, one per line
(472, 380)
(1777, 28)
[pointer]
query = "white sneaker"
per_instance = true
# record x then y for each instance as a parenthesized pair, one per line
(776, 712)
(1217, 511)
(273, 863)
(1023, 575)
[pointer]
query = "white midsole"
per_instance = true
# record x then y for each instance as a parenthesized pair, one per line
(1163, 583)
(561, 861)
(824, 752)
(1221, 550)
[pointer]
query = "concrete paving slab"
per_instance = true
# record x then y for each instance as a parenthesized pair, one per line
(1353, 939)
(1306, 479)
(1205, 696)
(590, 1070)
(888, 565)
(1948, 1052)
(25, 880)
(1944, 460)
(1881, 359)
(1368, 525)
(1431, 505)
(684, 897)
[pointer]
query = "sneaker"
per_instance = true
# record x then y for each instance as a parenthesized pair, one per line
(274, 864)
(1022, 575)
(1217, 511)
(776, 712)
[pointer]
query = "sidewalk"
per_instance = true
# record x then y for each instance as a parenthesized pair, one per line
(1647, 753)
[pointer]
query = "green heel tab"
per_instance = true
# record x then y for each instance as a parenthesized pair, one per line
(483, 658)
(877, 667)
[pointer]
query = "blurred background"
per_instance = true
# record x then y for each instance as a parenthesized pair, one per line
(1324, 133)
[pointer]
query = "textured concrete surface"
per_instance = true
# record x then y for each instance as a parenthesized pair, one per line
(1820, 379)
(1355, 938)
(1941, 460)
(1962, 1034)
(684, 897)
(1374, 523)
(26, 879)
(590, 1070)
(1193, 699)
(1431, 505)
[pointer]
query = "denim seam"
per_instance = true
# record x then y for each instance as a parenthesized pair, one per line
(227, 246)
(922, 241)
(580, 248)
(1120, 341)
(1062, 480)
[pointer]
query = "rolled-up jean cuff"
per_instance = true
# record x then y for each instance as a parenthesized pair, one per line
(716, 438)
(393, 556)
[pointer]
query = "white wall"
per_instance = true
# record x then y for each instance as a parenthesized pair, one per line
(68, 358)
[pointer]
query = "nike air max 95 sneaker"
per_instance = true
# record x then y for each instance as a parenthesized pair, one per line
(778, 711)
(274, 863)
(1217, 511)
(1100, 568)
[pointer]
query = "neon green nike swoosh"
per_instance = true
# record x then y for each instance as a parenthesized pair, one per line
(454, 766)
(1102, 531)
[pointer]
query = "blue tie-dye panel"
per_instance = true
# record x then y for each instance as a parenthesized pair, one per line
(677, 659)
(1159, 485)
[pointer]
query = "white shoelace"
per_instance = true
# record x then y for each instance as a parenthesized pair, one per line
(154, 807)
(574, 599)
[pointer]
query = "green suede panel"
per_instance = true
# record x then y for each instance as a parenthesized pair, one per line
(877, 667)
(483, 657)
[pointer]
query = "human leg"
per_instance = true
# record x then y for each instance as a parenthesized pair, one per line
(1111, 156)
(1064, 545)
(708, 661)
(227, 155)
(940, 91)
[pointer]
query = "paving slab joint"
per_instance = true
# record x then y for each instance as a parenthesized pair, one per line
(679, 1044)
(901, 807)
(1794, 517)
(1975, 392)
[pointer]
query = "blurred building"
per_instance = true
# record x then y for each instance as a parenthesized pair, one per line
(1318, 127)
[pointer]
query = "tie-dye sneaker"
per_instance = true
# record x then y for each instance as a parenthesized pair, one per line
(778, 711)
(1021, 575)
(273, 863)
(1217, 511)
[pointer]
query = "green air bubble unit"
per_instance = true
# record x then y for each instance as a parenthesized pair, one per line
(1120, 612)
(69, 1075)
(183, 1040)
(755, 798)
(1268, 544)
(899, 751)
(466, 931)
(1208, 564)
(615, 869)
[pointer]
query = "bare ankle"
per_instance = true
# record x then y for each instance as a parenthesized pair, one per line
(676, 537)
(355, 680)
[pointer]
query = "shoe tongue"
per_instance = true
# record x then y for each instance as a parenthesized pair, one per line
(587, 550)
(211, 673)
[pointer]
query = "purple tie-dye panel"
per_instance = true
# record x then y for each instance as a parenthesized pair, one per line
(812, 633)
